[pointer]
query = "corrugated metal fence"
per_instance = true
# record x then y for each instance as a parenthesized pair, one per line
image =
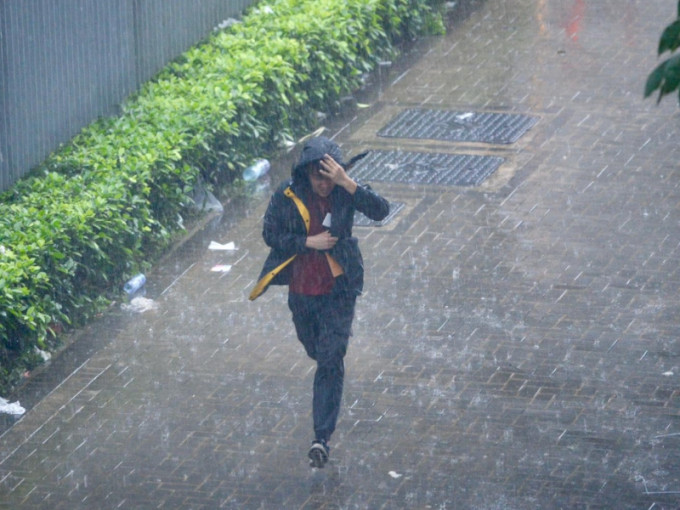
(63, 63)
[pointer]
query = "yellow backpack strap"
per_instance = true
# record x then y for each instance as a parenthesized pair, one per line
(266, 279)
(304, 212)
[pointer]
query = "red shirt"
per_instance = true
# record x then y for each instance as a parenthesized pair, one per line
(311, 273)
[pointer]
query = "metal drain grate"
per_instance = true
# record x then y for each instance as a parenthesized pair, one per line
(426, 168)
(361, 220)
(458, 126)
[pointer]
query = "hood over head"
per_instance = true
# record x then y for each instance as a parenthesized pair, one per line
(314, 150)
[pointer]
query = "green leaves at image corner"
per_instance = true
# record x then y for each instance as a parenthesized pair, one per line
(665, 78)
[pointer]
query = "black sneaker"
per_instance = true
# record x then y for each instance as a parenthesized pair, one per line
(318, 454)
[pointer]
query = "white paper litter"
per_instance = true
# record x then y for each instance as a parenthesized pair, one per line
(217, 246)
(11, 408)
(221, 268)
(140, 305)
(668, 374)
(394, 474)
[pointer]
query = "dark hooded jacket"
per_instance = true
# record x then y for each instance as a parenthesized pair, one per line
(285, 231)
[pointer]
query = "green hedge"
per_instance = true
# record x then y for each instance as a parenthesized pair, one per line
(105, 204)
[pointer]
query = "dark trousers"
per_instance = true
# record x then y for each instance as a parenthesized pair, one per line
(323, 325)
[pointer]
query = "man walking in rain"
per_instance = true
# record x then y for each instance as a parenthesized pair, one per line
(308, 226)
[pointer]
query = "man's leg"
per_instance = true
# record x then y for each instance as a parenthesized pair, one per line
(305, 319)
(335, 325)
(323, 325)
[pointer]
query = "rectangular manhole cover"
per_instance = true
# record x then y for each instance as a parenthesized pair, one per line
(458, 126)
(361, 220)
(426, 168)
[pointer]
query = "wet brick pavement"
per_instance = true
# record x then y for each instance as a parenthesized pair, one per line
(517, 346)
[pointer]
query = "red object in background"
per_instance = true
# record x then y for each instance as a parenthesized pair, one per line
(574, 24)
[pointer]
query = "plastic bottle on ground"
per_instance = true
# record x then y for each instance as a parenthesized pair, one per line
(134, 284)
(256, 170)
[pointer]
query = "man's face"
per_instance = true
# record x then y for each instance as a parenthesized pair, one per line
(321, 185)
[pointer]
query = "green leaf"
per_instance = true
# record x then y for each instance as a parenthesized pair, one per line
(654, 79)
(670, 38)
(665, 78)
(671, 75)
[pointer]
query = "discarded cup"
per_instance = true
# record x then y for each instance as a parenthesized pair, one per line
(134, 284)
(256, 170)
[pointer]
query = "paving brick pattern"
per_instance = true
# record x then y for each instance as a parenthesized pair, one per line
(517, 346)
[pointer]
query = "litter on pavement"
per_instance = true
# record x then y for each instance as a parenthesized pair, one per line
(226, 247)
(11, 408)
(140, 305)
